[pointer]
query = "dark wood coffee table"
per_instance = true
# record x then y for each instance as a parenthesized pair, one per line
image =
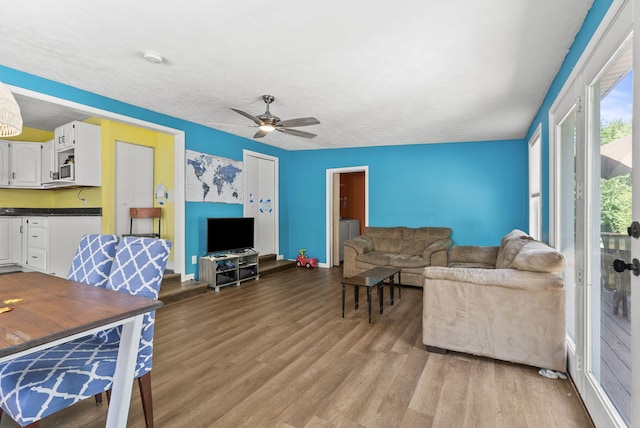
(372, 278)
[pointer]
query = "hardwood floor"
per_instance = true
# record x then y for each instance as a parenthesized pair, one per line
(276, 353)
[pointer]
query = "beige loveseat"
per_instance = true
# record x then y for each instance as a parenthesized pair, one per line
(410, 249)
(504, 302)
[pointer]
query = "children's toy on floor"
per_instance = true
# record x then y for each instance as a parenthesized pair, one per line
(308, 262)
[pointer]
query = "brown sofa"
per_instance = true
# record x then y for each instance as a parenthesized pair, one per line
(410, 249)
(505, 302)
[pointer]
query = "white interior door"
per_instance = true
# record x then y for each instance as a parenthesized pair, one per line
(261, 199)
(134, 185)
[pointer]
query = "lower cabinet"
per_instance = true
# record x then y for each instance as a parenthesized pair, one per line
(10, 240)
(44, 244)
(37, 245)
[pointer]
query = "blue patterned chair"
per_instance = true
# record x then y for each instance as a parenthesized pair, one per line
(93, 259)
(37, 385)
(92, 262)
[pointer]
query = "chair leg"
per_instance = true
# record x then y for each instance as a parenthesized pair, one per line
(144, 382)
(98, 398)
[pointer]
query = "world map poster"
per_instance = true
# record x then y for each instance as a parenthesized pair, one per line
(213, 179)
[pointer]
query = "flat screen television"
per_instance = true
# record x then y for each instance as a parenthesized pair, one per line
(229, 234)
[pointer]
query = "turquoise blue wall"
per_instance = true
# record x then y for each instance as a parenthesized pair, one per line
(589, 26)
(479, 189)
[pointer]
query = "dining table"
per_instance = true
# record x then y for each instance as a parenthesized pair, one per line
(42, 311)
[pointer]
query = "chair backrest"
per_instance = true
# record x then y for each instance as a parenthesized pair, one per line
(93, 259)
(138, 269)
(145, 213)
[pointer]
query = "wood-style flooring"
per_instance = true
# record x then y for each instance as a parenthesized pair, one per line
(276, 353)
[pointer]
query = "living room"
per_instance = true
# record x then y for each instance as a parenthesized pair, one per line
(478, 187)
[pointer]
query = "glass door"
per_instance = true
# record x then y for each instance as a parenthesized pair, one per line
(609, 154)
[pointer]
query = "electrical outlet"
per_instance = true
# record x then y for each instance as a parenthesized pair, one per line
(194, 260)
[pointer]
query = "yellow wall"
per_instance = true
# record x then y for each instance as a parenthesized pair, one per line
(104, 196)
(163, 169)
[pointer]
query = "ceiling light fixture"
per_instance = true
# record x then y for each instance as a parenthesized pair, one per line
(153, 57)
(10, 117)
(267, 128)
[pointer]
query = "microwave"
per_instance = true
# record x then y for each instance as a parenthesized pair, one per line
(67, 172)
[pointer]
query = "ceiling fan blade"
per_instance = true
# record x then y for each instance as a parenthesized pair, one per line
(301, 121)
(248, 116)
(260, 133)
(296, 132)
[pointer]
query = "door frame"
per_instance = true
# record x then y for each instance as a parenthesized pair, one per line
(330, 193)
(613, 30)
(178, 245)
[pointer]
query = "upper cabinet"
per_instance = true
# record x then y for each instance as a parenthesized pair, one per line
(65, 135)
(48, 166)
(77, 154)
(4, 163)
(25, 160)
(72, 158)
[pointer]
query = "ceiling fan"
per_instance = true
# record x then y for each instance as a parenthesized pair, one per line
(268, 122)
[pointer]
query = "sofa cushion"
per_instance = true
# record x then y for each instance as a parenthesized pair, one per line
(377, 258)
(473, 256)
(509, 248)
(507, 278)
(408, 261)
(476, 265)
(538, 257)
(385, 239)
(415, 240)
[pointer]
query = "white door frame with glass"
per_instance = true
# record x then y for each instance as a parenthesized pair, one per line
(585, 227)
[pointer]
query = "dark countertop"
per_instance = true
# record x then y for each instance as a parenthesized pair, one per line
(50, 211)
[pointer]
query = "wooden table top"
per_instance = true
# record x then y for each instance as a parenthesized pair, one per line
(53, 308)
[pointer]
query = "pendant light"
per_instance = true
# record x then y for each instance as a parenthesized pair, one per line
(10, 118)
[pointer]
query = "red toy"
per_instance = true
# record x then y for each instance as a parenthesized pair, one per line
(308, 262)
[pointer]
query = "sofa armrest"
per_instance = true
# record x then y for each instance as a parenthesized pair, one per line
(361, 244)
(507, 278)
(438, 252)
(473, 255)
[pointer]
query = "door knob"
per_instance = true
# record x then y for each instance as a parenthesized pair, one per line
(634, 230)
(621, 266)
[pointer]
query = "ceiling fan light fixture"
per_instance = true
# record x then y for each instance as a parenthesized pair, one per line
(267, 128)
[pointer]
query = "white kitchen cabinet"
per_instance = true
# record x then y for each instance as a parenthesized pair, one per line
(4, 163)
(25, 159)
(65, 233)
(80, 142)
(50, 243)
(10, 240)
(36, 243)
(48, 166)
(65, 136)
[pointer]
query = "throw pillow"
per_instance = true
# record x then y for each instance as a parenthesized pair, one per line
(537, 256)
(509, 248)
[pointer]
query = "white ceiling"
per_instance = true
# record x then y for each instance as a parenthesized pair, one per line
(373, 73)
